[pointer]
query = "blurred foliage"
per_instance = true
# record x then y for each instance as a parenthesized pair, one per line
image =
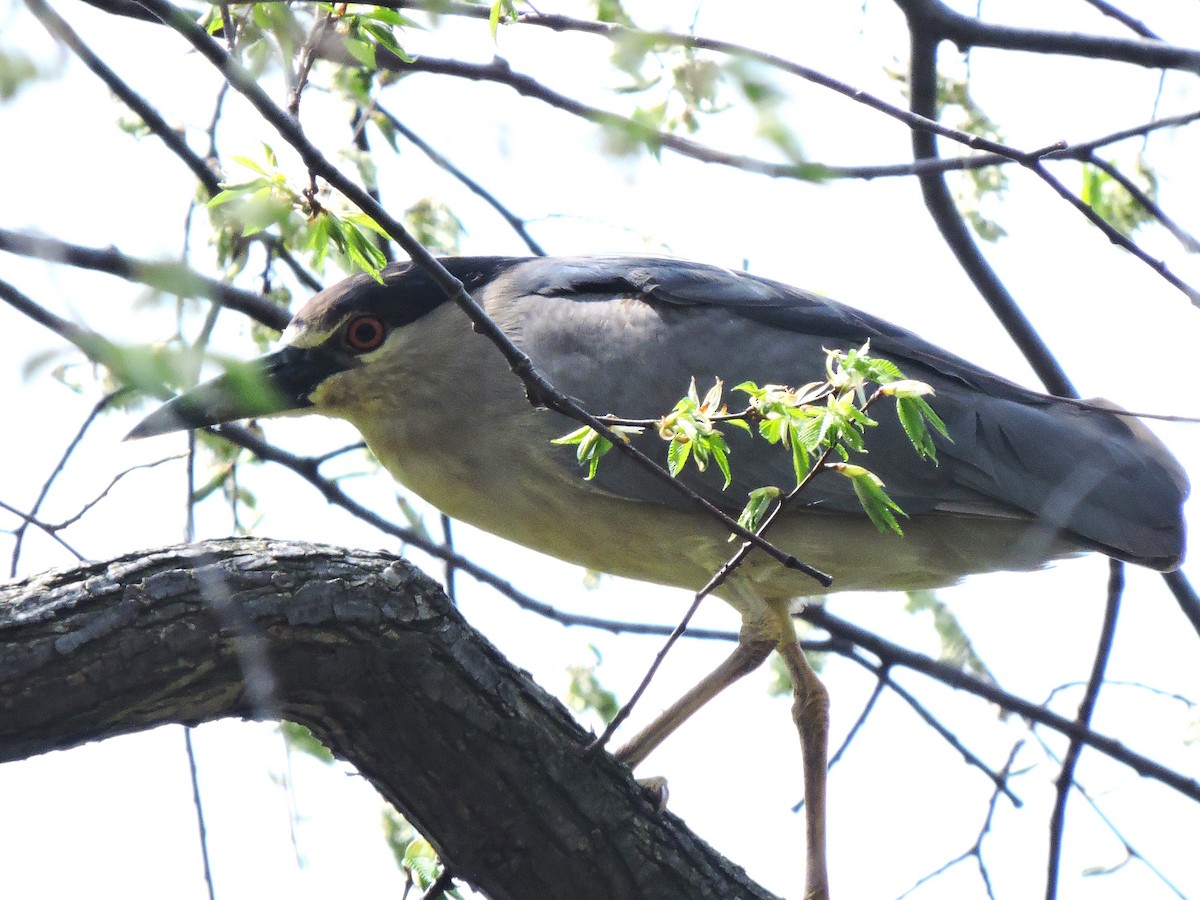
(780, 684)
(956, 649)
(397, 832)
(611, 11)
(414, 855)
(300, 740)
(17, 71)
(299, 217)
(366, 30)
(422, 867)
(435, 225)
(1113, 200)
(586, 694)
(972, 188)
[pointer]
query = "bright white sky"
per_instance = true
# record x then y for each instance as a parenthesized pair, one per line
(902, 799)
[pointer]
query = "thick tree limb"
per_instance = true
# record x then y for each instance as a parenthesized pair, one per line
(369, 654)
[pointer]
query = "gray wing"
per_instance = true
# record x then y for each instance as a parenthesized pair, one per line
(625, 335)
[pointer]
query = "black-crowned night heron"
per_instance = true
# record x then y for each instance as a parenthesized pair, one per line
(1024, 477)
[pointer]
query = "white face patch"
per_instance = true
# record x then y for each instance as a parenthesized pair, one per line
(296, 335)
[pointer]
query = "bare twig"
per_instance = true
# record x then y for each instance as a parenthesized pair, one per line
(516, 223)
(1066, 776)
(19, 532)
(169, 277)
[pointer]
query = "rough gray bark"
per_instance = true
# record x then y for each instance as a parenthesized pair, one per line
(369, 654)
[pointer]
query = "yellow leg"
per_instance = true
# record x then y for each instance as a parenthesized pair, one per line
(810, 712)
(750, 653)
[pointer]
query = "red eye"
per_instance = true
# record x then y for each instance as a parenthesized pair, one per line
(365, 333)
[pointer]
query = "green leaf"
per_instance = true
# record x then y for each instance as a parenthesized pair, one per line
(914, 426)
(363, 251)
(720, 453)
(390, 17)
(758, 504)
(397, 833)
(801, 456)
(500, 8)
(591, 445)
(678, 452)
(247, 163)
(300, 739)
(385, 38)
(875, 502)
(363, 51)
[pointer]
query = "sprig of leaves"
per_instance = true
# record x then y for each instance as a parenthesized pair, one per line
(267, 199)
(591, 445)
(691, 434)
(813, 422)
(367, 29)
(1112, 199)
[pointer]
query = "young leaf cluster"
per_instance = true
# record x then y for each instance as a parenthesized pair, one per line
(812, 423)
(590, 445)
(1107, 196)
(690, 432)
(268, 200)
(367, 29)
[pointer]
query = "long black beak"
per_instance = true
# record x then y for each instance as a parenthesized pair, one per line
(272, 384)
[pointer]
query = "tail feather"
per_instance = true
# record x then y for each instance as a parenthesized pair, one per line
(1099, 475)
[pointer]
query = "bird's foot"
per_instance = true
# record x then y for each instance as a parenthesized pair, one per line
(656, 787)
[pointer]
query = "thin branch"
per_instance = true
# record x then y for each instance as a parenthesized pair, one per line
(926, 36)
(91, 504)
(170, 277)
(1158, 265)
(1185, 595)
(940, 203)
(1135, 25)
(1087, 706)
(952, 25)
(968, 31)
(627, 707)
(883, 674)
(49, 530)
(975, 851)
(998, 153)
(1131, 852)
(896, 655)
(19, 533)
(308, 56)
(516, 223)
(172, 137)
(363, 145)
(441, 885)
(201, 828)
(1190, 244)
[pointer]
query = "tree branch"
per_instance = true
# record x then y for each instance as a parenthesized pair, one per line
(968, 31)
(171, 277)
(369, 654)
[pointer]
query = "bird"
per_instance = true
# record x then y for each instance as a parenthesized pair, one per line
(1021, 478)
